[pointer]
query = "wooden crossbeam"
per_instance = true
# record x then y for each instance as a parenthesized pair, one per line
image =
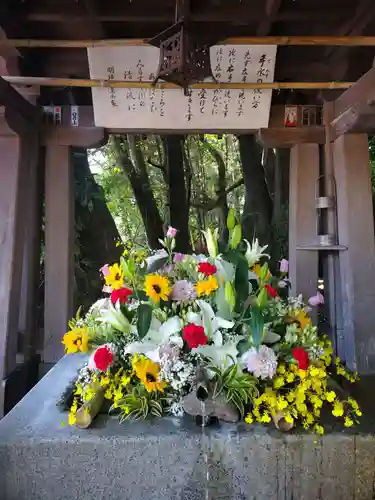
(76, 82)
(283, 137)
(10, 97)
(355, 108)
(344, 41)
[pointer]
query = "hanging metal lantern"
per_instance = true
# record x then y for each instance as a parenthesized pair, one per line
(184, 54)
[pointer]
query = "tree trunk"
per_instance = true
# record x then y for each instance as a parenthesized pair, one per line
(222, 203)
(257, 212)
(178, 199)
(135, 169)
(96, 233)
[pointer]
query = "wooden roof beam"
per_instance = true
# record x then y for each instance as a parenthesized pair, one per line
(338, 57)
(272, 9)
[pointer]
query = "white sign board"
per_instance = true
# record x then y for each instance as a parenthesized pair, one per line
(169, 109)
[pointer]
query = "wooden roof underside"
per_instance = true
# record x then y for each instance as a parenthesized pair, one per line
(101, 19)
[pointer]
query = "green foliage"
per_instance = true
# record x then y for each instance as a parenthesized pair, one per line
(238, 387)
(139, 404)
(144, 319)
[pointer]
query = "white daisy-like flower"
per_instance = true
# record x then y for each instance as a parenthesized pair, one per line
(262, 363)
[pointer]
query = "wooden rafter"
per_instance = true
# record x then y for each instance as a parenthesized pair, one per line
(337, 58)
(272, 8)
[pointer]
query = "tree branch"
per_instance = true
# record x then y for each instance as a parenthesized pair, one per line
(210, 204)
(160, 167)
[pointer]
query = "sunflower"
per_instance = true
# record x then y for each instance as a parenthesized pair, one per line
(76, 340)
(115, 277)
(206, 287)
(157, 287)
(148, 373)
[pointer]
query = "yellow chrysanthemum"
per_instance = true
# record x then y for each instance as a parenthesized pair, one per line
(206, 287)
(115, 278)
(76, 341)
(148, 373)
(157, 287)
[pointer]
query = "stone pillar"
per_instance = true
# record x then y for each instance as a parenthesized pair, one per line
(303, 262)
(13, 175)
(357, 263)
(59, 249)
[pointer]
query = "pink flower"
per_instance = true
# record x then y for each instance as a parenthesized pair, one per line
(171, 233)
(178, 257)
(104, 270)
(316, 300)
(183, 291)
(284, 266)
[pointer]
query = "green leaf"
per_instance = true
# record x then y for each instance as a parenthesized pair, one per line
(144, 319)
(241, 282)
(156, 264)
(236, 236)
(271, 338)
(256, 325)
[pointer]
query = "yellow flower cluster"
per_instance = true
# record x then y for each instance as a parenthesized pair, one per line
(206, 287)
(300, 395)
(115, 385)
(76, 340)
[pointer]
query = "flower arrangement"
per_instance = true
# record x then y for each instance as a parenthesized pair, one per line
(167, 317)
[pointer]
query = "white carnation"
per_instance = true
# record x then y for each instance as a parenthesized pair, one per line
(262, 363)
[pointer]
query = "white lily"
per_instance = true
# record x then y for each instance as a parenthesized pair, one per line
(220, 354)
(254, 252)
(113, 316)
(159, 335)
(208, 320)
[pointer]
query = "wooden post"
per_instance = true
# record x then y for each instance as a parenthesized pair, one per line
(303, 263)
(28, 321)
(59, 249)
(357, 264)
(13, 174)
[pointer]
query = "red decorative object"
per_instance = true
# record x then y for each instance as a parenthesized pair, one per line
(103, 358)
(271, 291)
(122, 294)
(302, 357)
(206, 268)
(194, 335)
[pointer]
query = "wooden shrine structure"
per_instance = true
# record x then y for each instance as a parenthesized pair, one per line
(324, 77)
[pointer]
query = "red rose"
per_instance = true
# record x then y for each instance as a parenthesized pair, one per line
(271, 291)
(206, 268)
(103, 358)
(302, 357)
(194, 335)
(122, 294)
